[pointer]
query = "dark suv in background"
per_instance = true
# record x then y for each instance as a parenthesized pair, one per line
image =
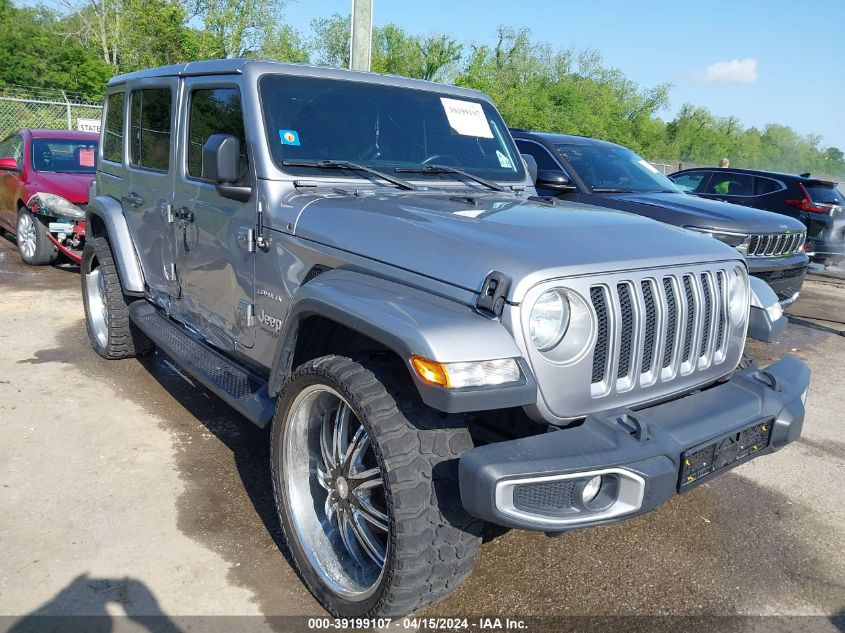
(817, 203)
(604, 174)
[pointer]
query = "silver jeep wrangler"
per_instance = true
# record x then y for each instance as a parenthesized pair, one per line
(361, 263)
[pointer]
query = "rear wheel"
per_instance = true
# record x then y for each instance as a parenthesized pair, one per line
(112, 333)
(33, 245)
(366, 483)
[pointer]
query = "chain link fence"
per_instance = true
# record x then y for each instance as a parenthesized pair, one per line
(22, 107)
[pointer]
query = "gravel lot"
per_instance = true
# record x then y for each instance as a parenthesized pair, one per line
(125, 490)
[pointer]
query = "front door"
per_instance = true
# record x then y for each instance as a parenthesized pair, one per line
(147, 190)
(10, 181)
(215, 259)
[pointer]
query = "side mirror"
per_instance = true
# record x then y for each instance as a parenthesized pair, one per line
(221, 164)
(9, 164)
(531, 166)
(551, 179)
(221, 158)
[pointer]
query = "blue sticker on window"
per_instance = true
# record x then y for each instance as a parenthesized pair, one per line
(289, 137)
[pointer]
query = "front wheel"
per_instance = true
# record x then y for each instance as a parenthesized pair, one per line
(366, 484)
(112, 333)
(33, 245)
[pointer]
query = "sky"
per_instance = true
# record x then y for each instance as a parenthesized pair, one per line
(762, 61)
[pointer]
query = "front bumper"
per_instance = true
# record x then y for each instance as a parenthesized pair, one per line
(641, 451)
(784, 275)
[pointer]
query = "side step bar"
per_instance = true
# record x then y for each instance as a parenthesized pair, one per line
(239, 388)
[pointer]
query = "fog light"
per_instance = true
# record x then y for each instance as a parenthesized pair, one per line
(591, 489)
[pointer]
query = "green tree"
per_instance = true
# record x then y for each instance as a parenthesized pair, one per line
(33, 53)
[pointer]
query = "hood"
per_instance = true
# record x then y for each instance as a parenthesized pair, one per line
(73, 187)
(460, 241)
(684, 209)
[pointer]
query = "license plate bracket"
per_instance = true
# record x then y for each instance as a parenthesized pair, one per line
(710, 458)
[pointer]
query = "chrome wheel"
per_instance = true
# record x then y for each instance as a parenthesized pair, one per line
(98, 312)
(335, 492)
(26, 236)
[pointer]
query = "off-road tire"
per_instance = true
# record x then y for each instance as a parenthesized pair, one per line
(124, 339)
(433, 541)
(45, 251)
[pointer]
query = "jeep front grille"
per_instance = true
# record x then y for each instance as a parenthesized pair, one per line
(776, 245)
(695, 341)
(652, 334)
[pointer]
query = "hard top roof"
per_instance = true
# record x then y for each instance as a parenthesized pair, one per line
(258, 67)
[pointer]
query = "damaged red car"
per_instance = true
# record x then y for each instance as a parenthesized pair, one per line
(44, 180)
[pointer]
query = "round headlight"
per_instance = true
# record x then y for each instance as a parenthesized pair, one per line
(549, 319)
(738, 295)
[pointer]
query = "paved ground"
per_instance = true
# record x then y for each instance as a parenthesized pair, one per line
(126, 490)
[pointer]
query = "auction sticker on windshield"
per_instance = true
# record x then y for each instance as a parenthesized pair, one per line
(466, 118)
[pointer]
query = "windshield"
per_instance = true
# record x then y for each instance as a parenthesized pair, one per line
(821, 194)
(67, 156)
(384, 128)
(611, 168)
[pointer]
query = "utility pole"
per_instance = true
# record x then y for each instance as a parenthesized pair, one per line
(361, 34)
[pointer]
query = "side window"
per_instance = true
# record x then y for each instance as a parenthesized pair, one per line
(213, 111)
(545, 162)
(690, 182)
(12, 147)
(728, 184)
(5, 148)
(762, 186)
(113, 128)
(149, 140)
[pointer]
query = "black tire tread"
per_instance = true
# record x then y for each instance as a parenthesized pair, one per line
(435, 541)
(45, 251)
(125, 339)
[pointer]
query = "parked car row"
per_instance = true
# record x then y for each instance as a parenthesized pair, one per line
(817, 204)
(607, 175)
(361, 263)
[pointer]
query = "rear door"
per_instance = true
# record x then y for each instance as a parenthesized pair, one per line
(730, 187)
(147, 190)
(215, 251)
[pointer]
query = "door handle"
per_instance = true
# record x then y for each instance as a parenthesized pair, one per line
(132, 199)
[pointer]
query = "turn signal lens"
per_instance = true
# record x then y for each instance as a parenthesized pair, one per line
(430, 371)
(467, 374)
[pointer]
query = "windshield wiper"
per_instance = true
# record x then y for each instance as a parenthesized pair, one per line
(611, 190)
(344, 164)
(445, 169)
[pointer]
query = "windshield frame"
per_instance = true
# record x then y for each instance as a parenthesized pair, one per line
(69, 141)
(670, 187)
(498, 127)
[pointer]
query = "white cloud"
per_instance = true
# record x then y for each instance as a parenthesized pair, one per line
(736, 71)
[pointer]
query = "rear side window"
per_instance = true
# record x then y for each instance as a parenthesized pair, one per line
(731, 184)
(762, 186)
(113, 132)
(149, 142)
(825, 195)
(689, 182)
(214, 111)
